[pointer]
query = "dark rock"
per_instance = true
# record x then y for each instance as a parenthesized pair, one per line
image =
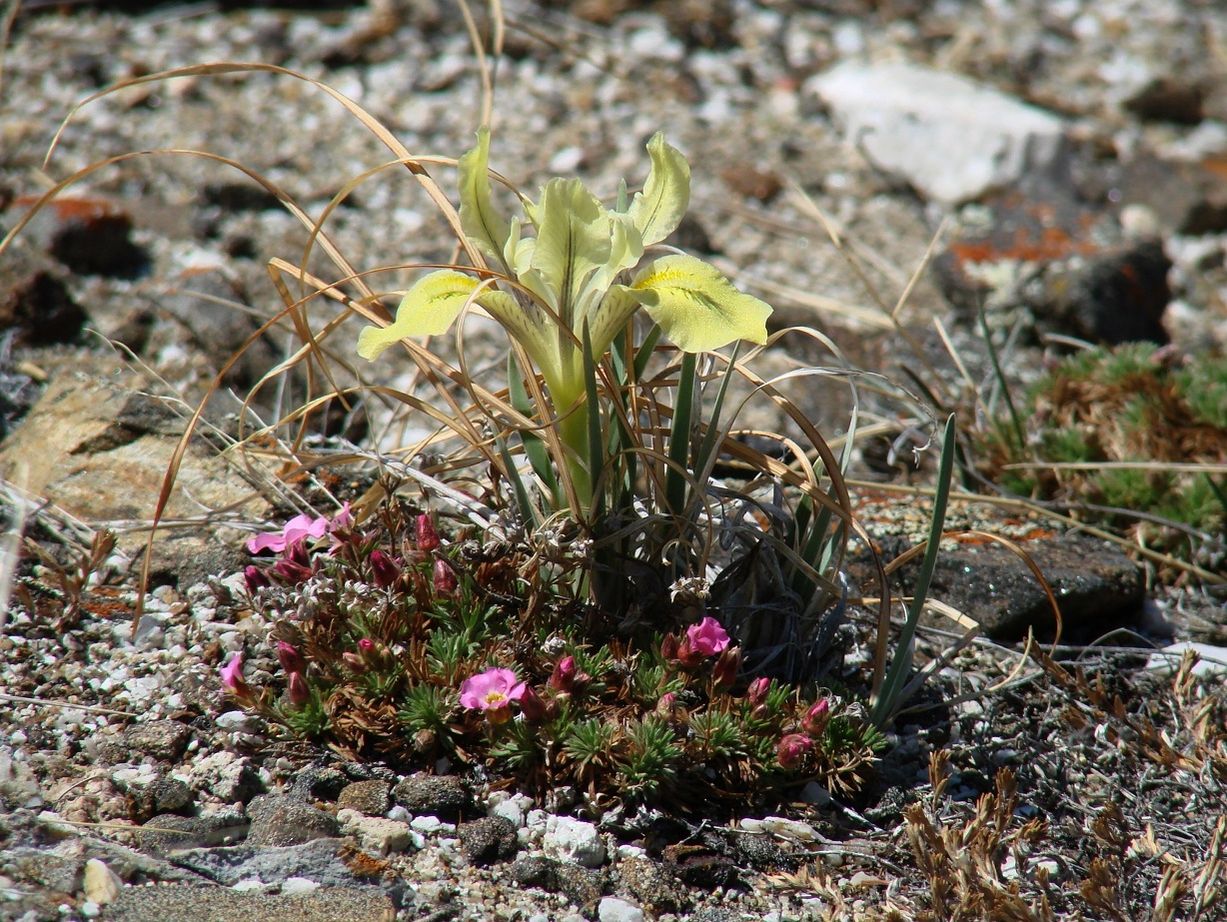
(534, 871)
(165, 740)
(279, 820)
(318, 860)
(487, 840)
(88, 235)
(1047, 250)
(580, 885)
(170, 795)
(702, 865)
(319, 782)
(234, 196)
(36, 306)
(444, 796)
(1097, 586)
(1115, 297)
(367, 797)
(649, 884)
(759, 852)
(221, 904)
(1169, 99)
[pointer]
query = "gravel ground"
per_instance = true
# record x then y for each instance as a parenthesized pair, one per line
(1118, 768)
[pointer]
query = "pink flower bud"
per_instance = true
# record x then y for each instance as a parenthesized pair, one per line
(816, 718)
(532, 707)
(299, 693)
(667, 704)
(289, 657)
(384, 570)
(427, 537)
(668, 647)
(562, 679)
(255, 578)
(724, 673)
(792, 749)
(756, 694)
(353, 662)
(444, 577)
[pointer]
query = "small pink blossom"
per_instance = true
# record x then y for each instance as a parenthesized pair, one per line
(792, 749)
(707, 638)
(300, 528)
(232, 677)
(492, 691)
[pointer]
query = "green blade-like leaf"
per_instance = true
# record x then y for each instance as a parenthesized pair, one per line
(679, 437)
(596, 443)
(427, 309)
(886, 701)
(481, 221)
(660, 207)
(697, 307)
(705, 457)
(534, 446)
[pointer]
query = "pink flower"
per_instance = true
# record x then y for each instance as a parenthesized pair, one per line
(232, 677)
(492, 691)
(299, 528)
(707, 638)
(792, 749)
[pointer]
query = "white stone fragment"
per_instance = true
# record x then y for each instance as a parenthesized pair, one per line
(612, 909)
(573, 840)
(296, 885)
(101, 885)
(952, 139)
(1212, 660)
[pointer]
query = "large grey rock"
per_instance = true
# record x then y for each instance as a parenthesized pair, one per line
(99, 449)
(318, 860)
(952, 139)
